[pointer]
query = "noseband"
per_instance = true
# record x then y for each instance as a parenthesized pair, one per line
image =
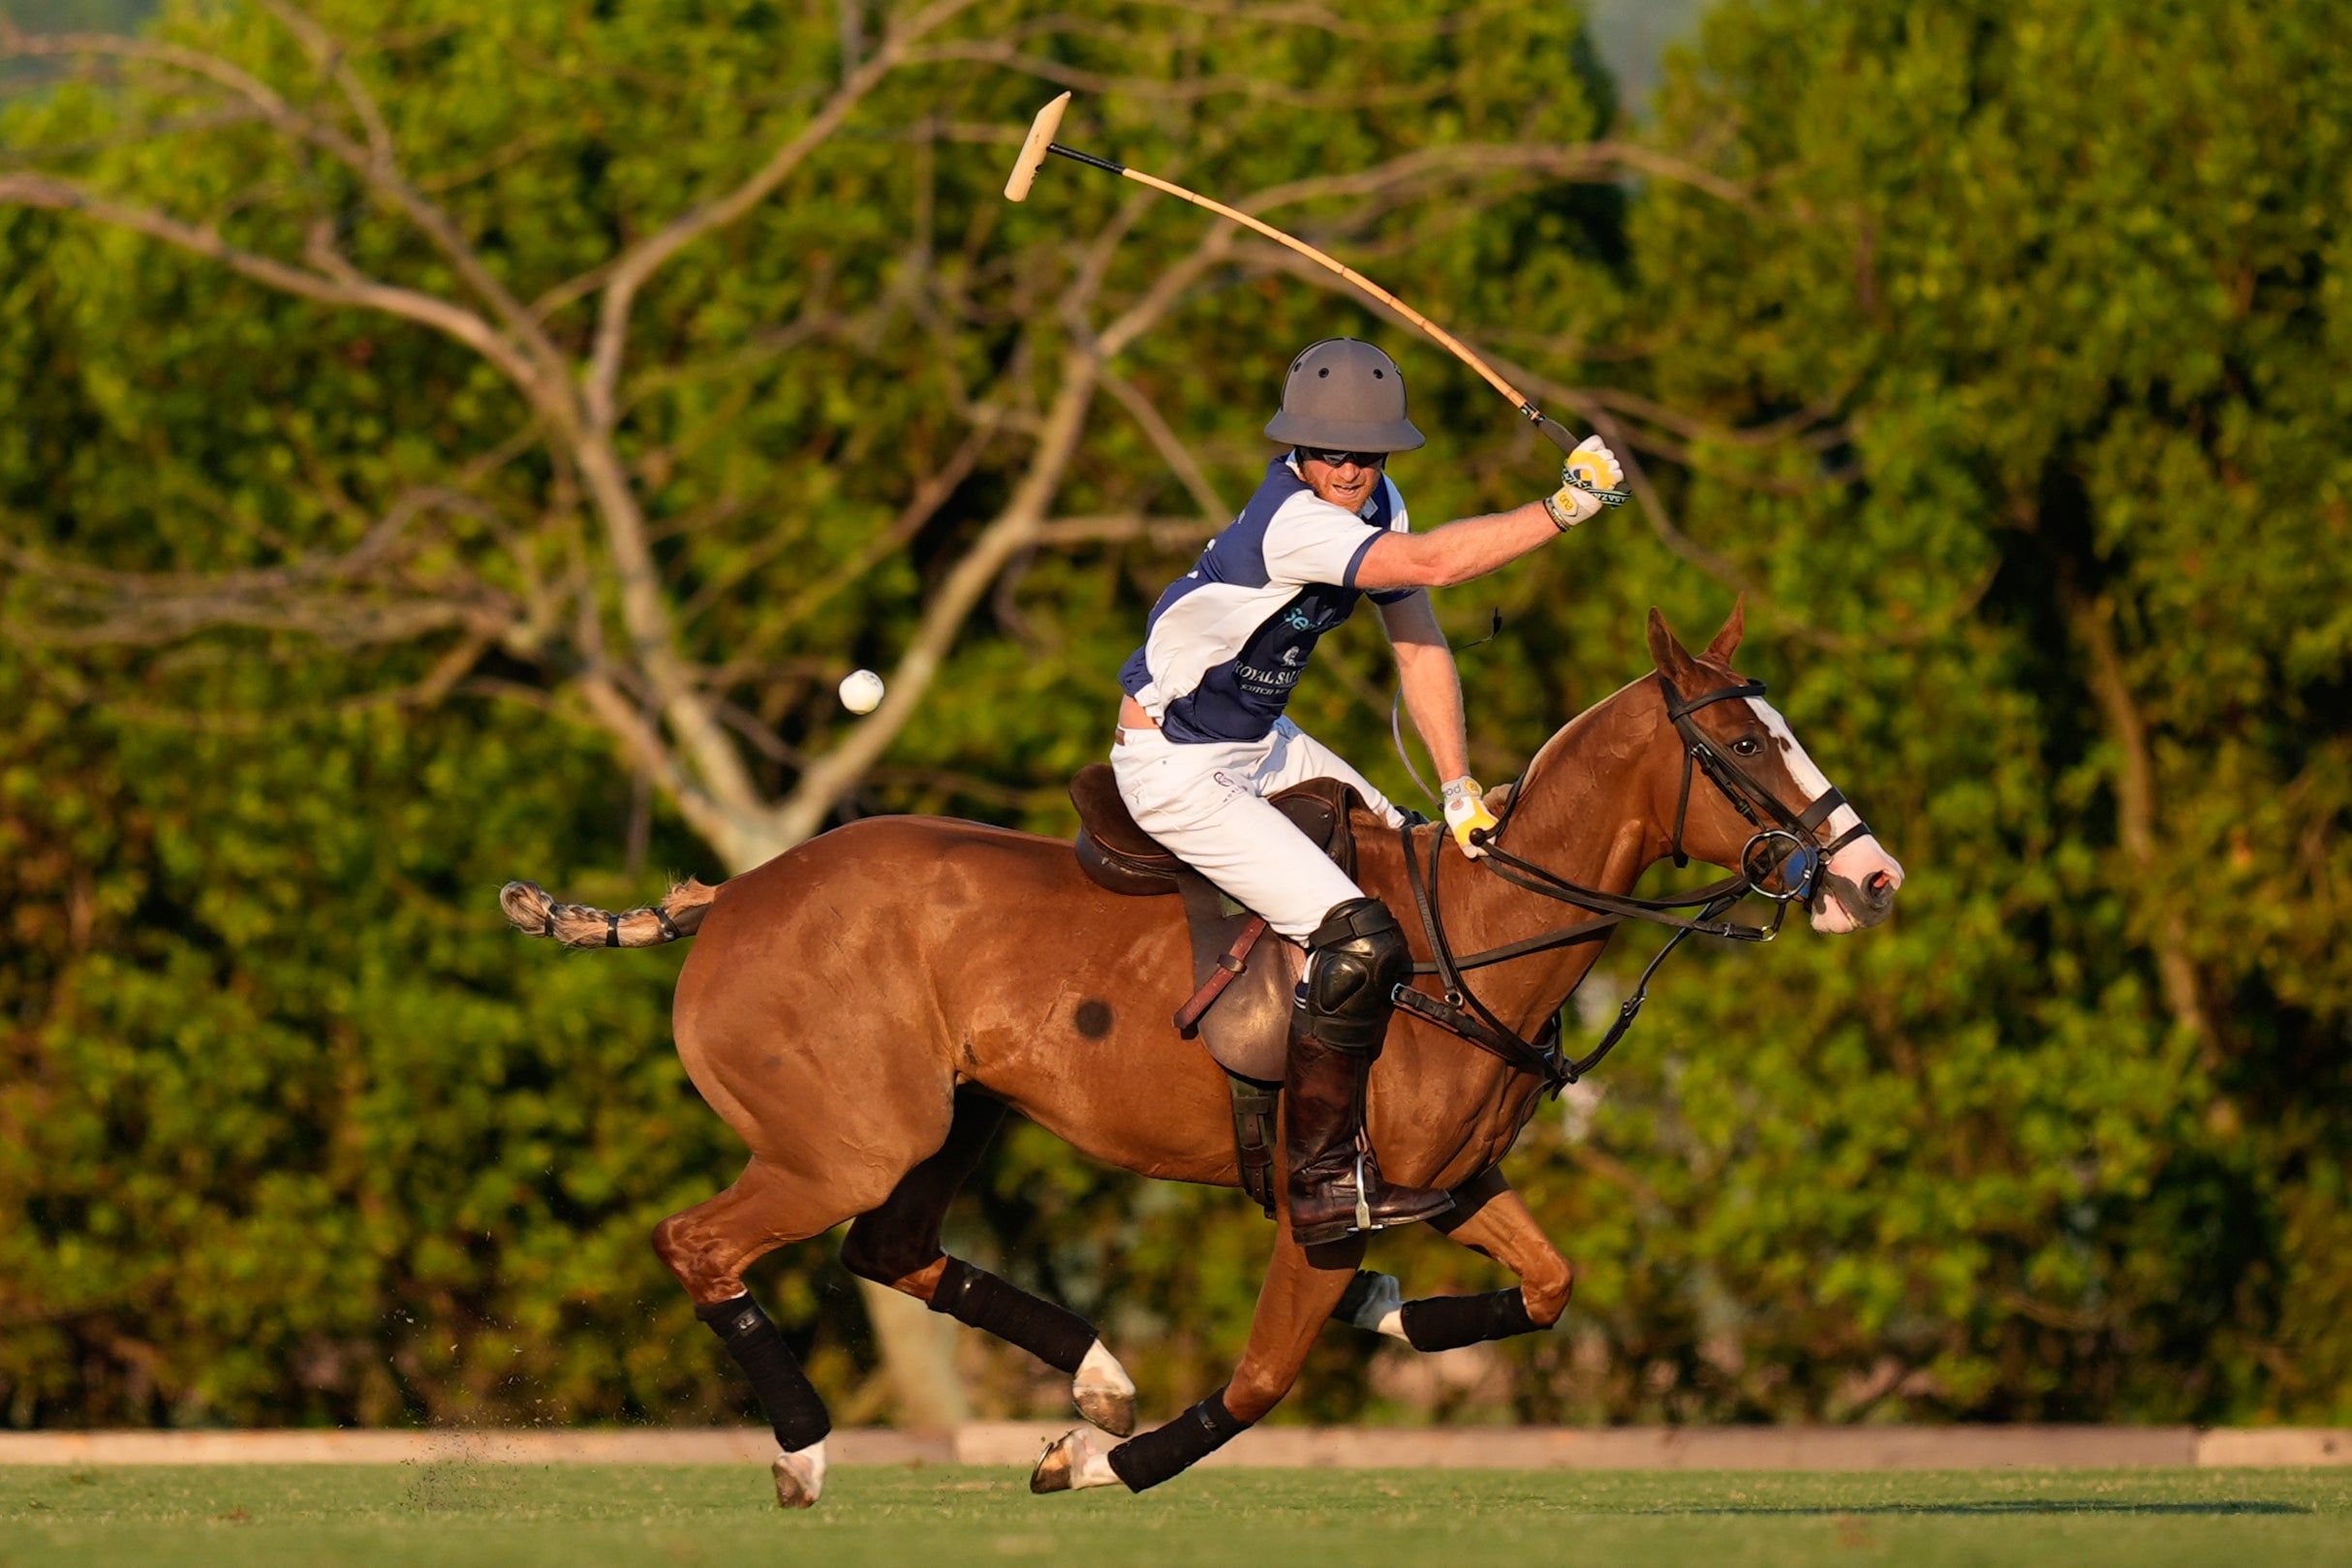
(1801, 867)
(1807, 856)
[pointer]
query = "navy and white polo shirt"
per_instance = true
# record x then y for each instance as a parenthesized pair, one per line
(1227, 640)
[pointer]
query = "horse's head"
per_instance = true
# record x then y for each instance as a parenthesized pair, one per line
(1742, 755)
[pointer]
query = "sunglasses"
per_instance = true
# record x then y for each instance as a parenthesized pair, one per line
(1342, 459)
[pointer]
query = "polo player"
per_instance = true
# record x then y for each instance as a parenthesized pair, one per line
(1202, 740)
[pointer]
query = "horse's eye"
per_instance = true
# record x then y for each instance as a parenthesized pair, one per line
(1747, 746)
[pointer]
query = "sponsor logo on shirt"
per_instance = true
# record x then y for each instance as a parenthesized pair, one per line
(1266, 680)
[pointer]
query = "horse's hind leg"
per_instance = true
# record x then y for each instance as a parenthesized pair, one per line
(708, 1246)
(1490, 1219)
(898, 1244)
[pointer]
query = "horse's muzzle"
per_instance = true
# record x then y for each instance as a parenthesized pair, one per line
(1867, 903)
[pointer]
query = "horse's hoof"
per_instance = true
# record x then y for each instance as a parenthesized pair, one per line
(1111, 1410)
(799, 1476)
(1103, 1392)
(1077, 1459)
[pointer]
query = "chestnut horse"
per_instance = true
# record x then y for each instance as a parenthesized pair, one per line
(864, 1008)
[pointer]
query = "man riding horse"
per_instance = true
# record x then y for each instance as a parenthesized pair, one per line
(1202, 740)
(866, 1008)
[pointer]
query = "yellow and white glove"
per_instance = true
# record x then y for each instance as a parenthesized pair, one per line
(1466, 813)
(1592, 468)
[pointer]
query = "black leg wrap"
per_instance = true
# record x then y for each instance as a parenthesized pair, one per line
(1055, 1335)
(1144, 1462)
(785, 1390)
(1450, 1322)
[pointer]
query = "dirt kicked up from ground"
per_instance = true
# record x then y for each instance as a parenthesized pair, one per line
(456, 1514)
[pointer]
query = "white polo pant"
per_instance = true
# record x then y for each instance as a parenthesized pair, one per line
(1206, 803)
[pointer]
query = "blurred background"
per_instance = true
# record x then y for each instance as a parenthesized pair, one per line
(444, 442)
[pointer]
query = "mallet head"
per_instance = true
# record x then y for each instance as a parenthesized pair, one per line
(1032, 150)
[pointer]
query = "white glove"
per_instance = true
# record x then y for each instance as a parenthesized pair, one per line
(1466, 813)
(1593, 464)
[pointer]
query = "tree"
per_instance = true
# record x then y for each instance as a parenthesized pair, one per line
(2051, 298)
(653, 367)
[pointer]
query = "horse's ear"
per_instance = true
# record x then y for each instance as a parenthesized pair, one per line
(1727, 641)
(1666, 652)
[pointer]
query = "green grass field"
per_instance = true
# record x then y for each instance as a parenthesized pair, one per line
(454, 1515)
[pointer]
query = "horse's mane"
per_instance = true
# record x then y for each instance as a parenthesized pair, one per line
(1564, 739)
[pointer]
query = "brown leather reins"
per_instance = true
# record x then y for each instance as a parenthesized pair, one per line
(1800, 870)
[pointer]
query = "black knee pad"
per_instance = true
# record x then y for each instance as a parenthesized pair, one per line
(1355, 960)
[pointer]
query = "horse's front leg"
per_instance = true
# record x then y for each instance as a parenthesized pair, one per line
(1302, 1286)
(1488, 1217)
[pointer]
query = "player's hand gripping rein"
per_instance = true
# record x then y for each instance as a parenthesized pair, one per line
(1589, 480)
(1466, 813)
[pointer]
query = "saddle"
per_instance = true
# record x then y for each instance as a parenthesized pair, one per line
(1122, 857)
(1240, 1007)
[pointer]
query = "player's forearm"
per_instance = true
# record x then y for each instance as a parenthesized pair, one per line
(1433, 696)
(1457, 552)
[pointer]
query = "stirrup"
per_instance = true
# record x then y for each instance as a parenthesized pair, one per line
(1363, 1204)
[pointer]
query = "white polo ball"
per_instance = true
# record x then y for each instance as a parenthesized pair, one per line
(861, 690)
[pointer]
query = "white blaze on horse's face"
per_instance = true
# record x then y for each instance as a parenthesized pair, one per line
(1861, 880)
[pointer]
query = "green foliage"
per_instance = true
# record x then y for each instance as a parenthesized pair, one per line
(288, 1133)
(2059, 591)
(2012, 385)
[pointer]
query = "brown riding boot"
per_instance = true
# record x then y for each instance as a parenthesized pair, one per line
(1354, 958)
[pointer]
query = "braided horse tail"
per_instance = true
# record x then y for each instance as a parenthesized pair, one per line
(579, 925)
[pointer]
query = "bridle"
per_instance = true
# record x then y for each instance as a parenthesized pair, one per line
(1801, 830)
(1801, 868)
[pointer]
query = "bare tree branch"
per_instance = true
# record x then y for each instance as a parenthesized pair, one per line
(339, 623)
(630, 271)
(735, 838)
(929, 496)
(1119, 528)
(530, 343)
(828, 777)
(452, 321)
(1169, 445)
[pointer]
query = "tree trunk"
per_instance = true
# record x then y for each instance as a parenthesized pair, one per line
(2135, 787)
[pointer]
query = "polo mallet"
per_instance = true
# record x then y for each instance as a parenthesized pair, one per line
(1040, 142)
